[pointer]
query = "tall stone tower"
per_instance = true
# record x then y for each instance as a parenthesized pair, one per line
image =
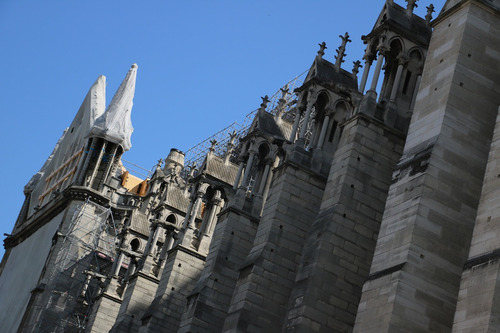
(56, 212)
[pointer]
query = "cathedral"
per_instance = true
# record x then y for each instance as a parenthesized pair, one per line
(356, 200)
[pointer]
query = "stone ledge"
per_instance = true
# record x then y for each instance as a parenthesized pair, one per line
(482, 259)
(386, 271)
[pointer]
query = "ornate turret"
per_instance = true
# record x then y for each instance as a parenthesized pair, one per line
(174, 163)
(398, 42)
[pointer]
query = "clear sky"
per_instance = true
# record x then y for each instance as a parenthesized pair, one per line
(202, 65)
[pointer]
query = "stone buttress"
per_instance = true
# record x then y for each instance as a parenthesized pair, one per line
(427, 225)
(209, 302)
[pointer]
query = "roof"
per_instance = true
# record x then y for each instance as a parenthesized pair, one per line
(324, 71)
(177, 198)
(412, 26)
(220, 169)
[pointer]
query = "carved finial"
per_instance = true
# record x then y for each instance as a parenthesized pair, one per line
(265, 100)
(357, 66)
(232, 137)
(430, 10)
(284, 92)
(213, 142)
(192, 169)
(341, 50)
(230, 145)
(160, 162)
(322, 48)
(282, 103)
(412, 4)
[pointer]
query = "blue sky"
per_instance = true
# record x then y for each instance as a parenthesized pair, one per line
(202, 65)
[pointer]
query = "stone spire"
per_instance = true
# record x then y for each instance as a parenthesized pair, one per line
(341, 50)
(115, 124)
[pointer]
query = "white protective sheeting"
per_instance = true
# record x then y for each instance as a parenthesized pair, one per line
(37, 176)
(72, 140)
(21, 274)
(115, 124)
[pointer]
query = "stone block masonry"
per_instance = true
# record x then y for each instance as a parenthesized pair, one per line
(427, 226)
(339, 246)
(479, 287)
(259, 300)
(344, 206)
(182, 270)
(138, 295)
(209, 302)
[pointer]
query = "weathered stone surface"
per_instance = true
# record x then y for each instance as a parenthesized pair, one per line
(346, 206)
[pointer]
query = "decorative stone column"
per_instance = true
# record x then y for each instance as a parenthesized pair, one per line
(208, 228)
(97, 165)
(238, 175)
(252, 152)
(188, 212)
(170, 236)
(303, 130)
(113, 288)
(130, 270)
(378, 67)
(267, 185)
(153, 236)
(391, 110)
(189, 231)
(296, 124)
(109, 165)
(147, 258)
(322, 135)
(368, 104)
(395, 87)
(265, 175)
(314, 134)
(368, 57)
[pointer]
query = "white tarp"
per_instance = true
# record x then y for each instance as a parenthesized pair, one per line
(115, 124)
(73, 138)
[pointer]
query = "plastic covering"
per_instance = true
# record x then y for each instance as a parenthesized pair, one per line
(72, 140)
(115, 124)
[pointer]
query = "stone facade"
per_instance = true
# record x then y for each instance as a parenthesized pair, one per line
(350, 204)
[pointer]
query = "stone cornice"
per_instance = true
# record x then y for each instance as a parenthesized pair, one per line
(187, 251)
(51, 210)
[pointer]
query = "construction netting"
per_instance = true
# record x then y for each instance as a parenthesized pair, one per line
(79, 271)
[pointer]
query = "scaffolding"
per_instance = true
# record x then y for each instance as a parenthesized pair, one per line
(196, 155)
(81, 266)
